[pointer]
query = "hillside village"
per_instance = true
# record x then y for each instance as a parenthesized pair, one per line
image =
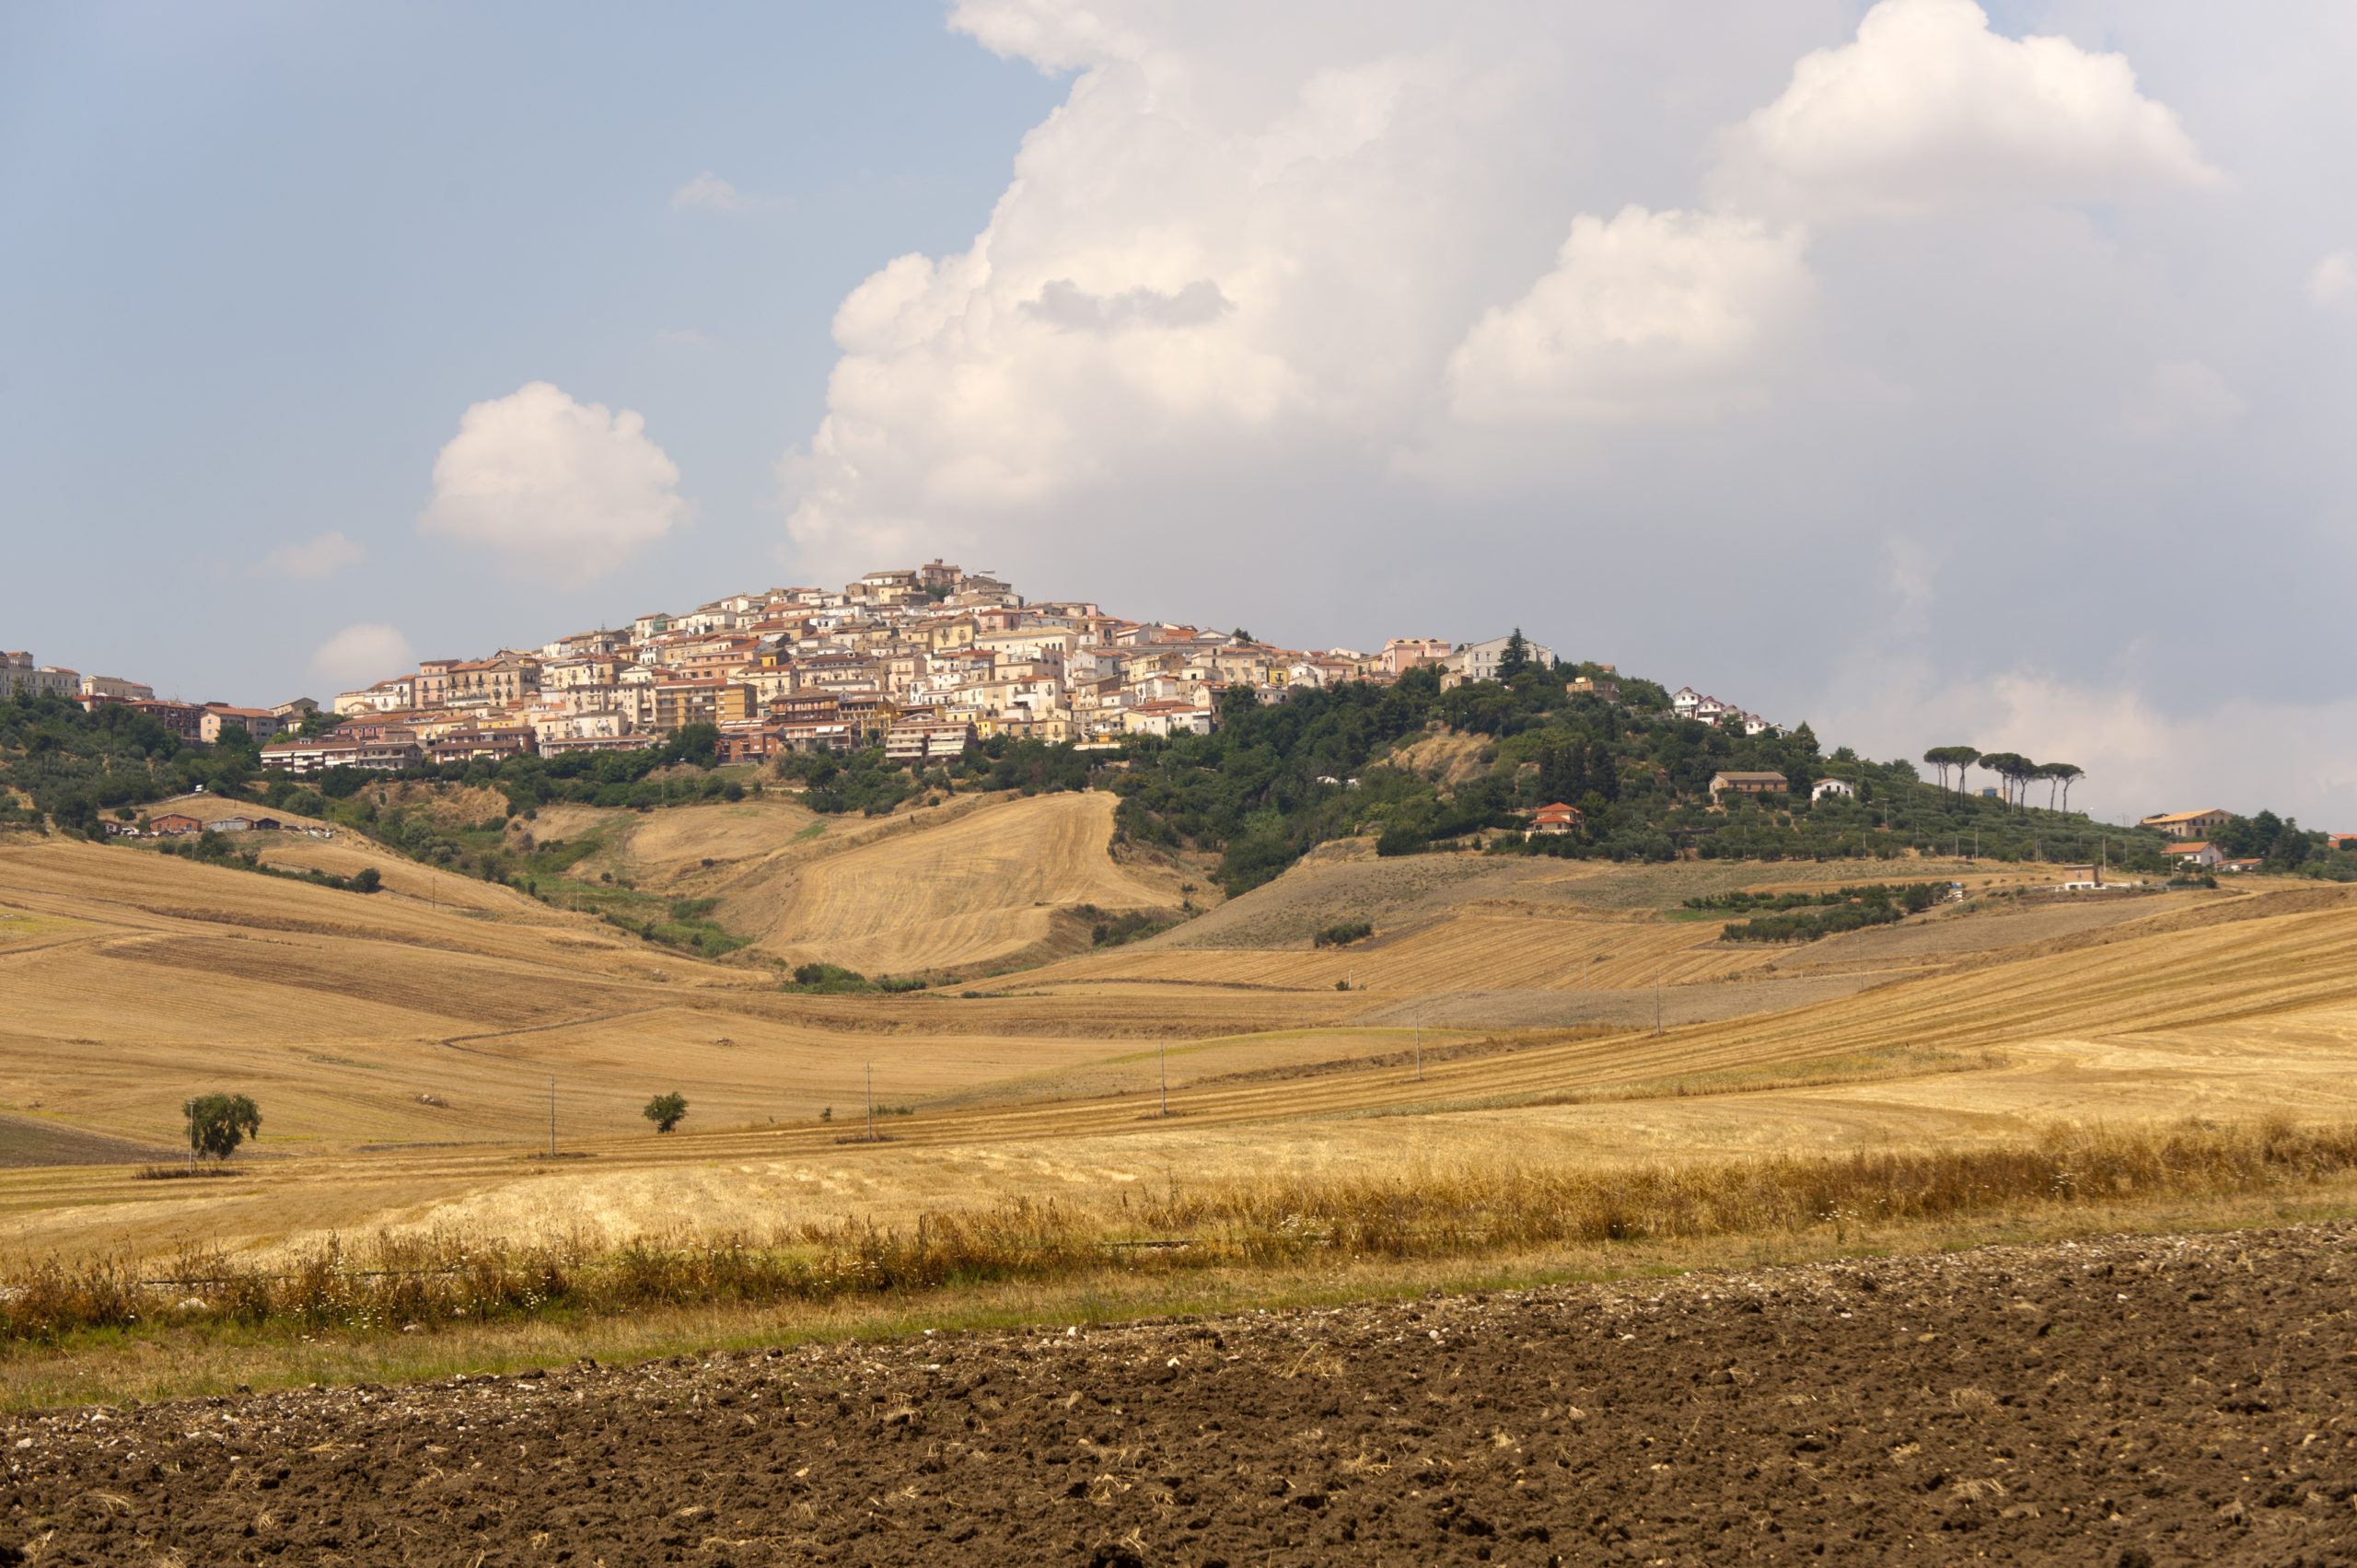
(923, 660)
(924, 677)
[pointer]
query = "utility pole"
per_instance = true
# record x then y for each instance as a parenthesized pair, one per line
(1656, 999)
(551, 1116)
(1419, 1048)
(871, 1102)
(1166, 1077)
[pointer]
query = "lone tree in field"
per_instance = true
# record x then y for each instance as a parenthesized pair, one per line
(218, 1123)
(667, 1111)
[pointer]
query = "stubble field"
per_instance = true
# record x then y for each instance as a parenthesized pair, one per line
(403, 1046)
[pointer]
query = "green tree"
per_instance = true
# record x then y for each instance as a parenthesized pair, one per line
(1956, 757)
(2012, 767)
(218, 1123)
(367, 879)
(2064, 774)
(667, 1111)
(696, 743)
(1515, 659)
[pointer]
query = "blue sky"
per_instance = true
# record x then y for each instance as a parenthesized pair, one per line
(1931, 374)
(255, 259)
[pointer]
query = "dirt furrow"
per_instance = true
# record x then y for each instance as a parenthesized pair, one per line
(2129, 1402)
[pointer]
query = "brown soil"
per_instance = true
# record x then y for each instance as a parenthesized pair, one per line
(2129, 1401)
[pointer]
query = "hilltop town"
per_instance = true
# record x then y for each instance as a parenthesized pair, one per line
(930, 668)
(925, 660)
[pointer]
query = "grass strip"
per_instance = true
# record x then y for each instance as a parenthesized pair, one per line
(419, 1285)
(115, 1367)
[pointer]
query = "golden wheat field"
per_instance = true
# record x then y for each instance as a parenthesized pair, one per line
(409, 1048)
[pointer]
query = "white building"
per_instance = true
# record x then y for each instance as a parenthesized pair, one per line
(1479, 661)
(20, 674)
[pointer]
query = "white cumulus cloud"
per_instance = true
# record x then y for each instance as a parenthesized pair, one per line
(1644, 310)
(2332, 283)
(362, 654)
(1928, 108)
(711, 193)
(563, 490)
(312, 559)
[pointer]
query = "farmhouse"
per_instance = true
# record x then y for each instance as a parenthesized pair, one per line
(2187, 824)
(1747, 783)
(1556, 818)
(175, 822)
(1823, 787)
(2200, 853)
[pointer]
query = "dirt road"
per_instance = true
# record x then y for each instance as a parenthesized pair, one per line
(2129, 1402)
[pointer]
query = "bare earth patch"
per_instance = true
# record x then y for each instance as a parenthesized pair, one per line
(2150, 1400)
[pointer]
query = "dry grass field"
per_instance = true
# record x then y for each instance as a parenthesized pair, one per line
(402, 1045)
(942, 890)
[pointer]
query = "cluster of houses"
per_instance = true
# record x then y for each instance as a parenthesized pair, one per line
(925, 660)
(200, 723)
(177, 824)
(1689, 704)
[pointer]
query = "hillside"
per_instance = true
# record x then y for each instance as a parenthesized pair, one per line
(402, 1051)
(950, 891)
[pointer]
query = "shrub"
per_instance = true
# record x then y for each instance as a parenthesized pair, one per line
(827, 980)
(1342, 934)
(666, 1111)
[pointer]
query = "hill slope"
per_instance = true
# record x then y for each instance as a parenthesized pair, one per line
(977, 890)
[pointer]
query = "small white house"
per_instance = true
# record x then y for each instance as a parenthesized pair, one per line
(1823, 787)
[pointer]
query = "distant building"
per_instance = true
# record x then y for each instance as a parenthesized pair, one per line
(377, 754)
(2201, 853)
(260, 722)
(1823, 787)
(926, 740)
(1556, 818)
(2187, 824)
(1401, 654)
(1480, 661)
(20, 677)
(1747, 783)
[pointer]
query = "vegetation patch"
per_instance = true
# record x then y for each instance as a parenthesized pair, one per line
(397, 1283)
(1112, 929)
(1851, 909)
(833, 980)
(1342, 934)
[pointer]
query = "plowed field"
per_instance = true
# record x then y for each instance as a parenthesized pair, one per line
(2128, 1404)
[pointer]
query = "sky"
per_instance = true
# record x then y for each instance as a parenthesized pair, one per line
(1934, 374)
